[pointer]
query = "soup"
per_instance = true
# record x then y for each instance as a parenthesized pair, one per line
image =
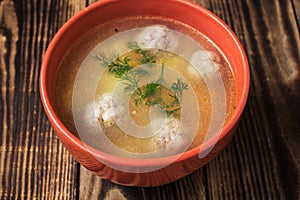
(144, 87)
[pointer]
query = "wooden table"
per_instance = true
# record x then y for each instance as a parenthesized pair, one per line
(261, 161)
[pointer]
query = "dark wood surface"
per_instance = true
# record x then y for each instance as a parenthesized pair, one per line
(261, 161)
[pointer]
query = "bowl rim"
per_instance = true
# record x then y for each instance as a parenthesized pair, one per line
(75, 142)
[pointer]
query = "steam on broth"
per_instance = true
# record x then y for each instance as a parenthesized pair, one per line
(145, 87)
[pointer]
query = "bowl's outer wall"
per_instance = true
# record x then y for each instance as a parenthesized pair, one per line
(104, 10)
(162, 176)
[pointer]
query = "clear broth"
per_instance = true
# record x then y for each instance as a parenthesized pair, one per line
(70, 65)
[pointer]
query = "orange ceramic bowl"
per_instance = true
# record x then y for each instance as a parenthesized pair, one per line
(100, 162)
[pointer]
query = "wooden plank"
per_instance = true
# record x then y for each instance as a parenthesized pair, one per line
(92, 187)
(261, 162)
(33, 163)
(296, 11)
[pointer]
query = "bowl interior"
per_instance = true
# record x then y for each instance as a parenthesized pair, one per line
(183, 11)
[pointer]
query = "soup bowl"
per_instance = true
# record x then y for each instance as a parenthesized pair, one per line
(144, 171)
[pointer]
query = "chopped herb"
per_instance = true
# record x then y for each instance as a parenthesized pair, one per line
(149, 90)
(104, 59)
(131, 81)
(120, 67)
(146, 57)
(116, 65)
(150, 93)
(178, 87)
(145, 92)
(133, 45)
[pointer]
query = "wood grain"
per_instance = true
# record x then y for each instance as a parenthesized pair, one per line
(34, 164)
(261, 161)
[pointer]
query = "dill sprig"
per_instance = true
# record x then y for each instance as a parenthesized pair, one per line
(120, 66)
(133, 45)
(131, 81)
(151, 88)
(148, 93)
(147, 58)
(104, 59)
(178, 87)
(116, 65)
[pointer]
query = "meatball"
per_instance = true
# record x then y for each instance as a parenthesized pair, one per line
(108, 109)
(206, 62)
(170, 133)
(158, 37)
